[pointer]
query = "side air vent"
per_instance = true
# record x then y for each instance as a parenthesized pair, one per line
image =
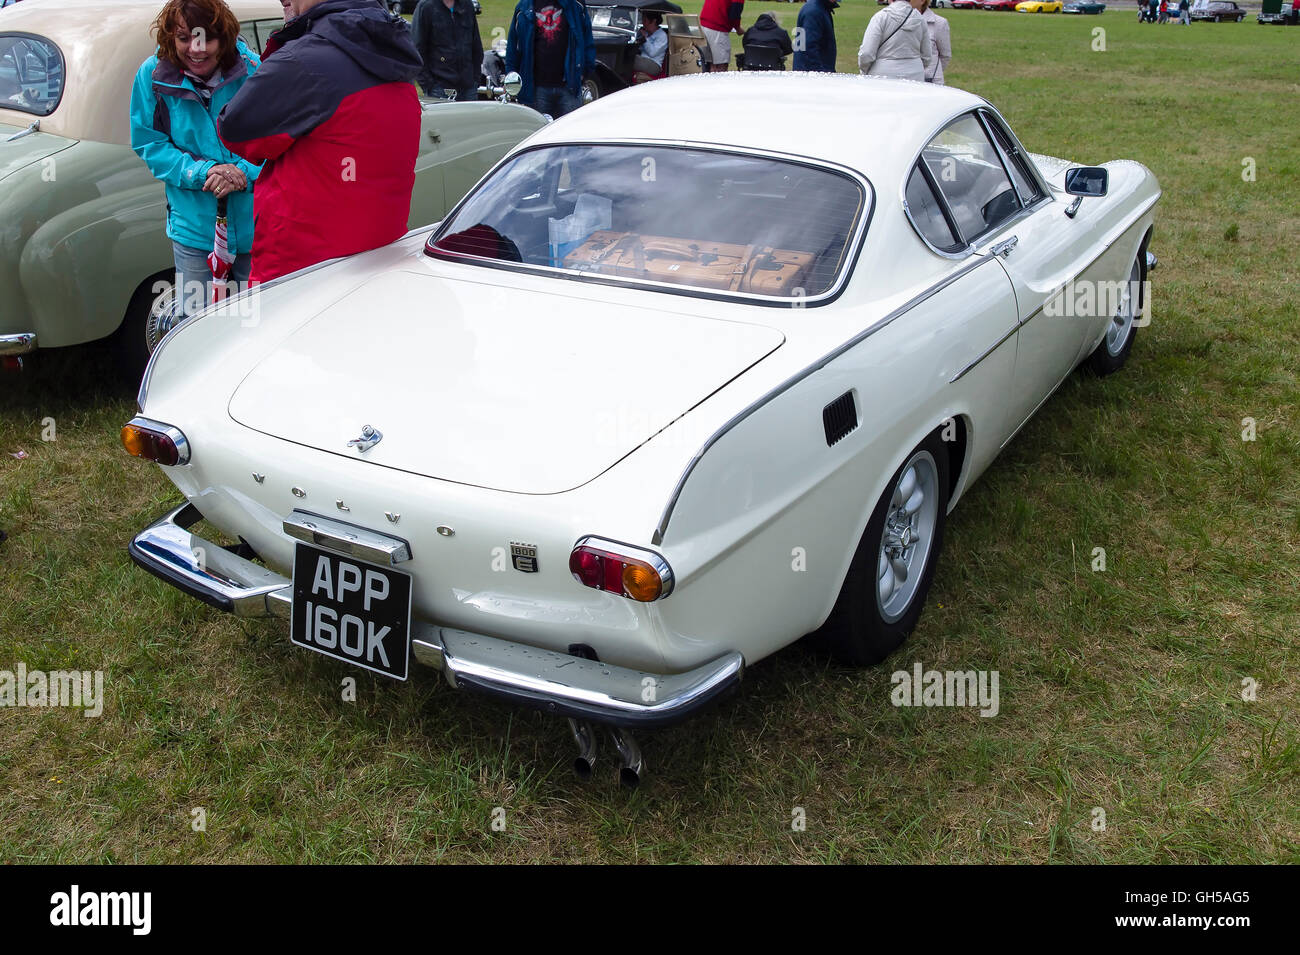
(840, 417)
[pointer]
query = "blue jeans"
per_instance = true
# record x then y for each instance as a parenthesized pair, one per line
(194, 277)
(555, 101)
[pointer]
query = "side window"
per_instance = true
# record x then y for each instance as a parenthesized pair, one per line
(31, 74)
(1026, 184)
(255, 33)
(927, 214)
(967, 170)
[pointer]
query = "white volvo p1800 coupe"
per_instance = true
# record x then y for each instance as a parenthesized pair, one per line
(668, 390)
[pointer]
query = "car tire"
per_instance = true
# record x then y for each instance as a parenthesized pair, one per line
(898, 551)
(1111, 353)
(141, 330)
(590, 91)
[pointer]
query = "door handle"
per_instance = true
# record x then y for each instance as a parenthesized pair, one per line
(1004, 247)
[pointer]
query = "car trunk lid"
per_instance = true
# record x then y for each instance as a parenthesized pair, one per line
(489, 385)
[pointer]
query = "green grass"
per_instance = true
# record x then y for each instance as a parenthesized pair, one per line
(1119, 690)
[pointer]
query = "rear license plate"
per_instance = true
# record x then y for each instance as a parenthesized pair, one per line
(351, 610)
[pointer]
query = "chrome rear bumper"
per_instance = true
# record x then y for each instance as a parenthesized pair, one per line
(19, 344)
(544, 679)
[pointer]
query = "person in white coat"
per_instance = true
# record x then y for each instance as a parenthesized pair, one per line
(897, 42)
(940, 46)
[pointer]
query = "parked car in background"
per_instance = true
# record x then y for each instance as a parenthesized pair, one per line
(653, 402)
(1083, 7)
(1001, 5)
(1039, 6)
(617, 32)
(1278, 12)
(965, 4)
(1218, 11)
(83, 246)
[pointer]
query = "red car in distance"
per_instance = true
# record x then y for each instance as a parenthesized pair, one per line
(1009, 5)
(965, 4)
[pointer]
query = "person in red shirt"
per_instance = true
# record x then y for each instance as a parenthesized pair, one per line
(718, 19)
(335, 117)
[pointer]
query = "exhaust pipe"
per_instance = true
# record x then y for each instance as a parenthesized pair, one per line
(629, 773)
(585, 736)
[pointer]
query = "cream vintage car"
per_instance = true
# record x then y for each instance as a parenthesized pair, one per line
(655, 400)
(82, 221)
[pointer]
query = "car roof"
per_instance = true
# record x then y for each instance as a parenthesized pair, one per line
(872, 124)
(103, 44)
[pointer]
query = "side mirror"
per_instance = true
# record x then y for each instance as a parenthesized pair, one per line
(1087, 181)
(512, 84)
(1084, 181)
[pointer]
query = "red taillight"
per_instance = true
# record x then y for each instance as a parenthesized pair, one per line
(645, 577)
(11, 363)
(155, 441)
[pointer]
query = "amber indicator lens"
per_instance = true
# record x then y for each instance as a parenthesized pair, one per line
(150, 445)
(625, 576)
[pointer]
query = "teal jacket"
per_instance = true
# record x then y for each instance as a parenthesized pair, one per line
(176, 136)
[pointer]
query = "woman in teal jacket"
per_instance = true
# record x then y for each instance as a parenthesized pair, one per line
(179, 91)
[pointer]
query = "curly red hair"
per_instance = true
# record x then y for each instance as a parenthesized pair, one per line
(212, 16)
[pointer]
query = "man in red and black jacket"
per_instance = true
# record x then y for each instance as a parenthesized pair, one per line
(333, 114)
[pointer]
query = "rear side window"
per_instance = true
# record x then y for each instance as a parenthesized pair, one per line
(966, 168)
(31, 74)
(927, 214)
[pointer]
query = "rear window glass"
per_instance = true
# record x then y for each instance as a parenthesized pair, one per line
(31, 74)
(666, 217)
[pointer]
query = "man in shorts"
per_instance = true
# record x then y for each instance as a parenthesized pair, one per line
(718, 19)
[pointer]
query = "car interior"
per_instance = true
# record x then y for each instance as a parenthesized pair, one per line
(774, 228)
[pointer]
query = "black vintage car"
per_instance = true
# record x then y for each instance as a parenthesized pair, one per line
(616, 29)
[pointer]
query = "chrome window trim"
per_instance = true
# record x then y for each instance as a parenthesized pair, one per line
(973, 243)
(993, 122)
(955, 254)
(849, 257)
(657, 537)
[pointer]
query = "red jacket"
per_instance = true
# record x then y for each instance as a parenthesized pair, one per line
(722, 15)
(336, 119)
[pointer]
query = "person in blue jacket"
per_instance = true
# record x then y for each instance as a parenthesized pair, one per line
(551, 48)
(814, 46)
(199, 66)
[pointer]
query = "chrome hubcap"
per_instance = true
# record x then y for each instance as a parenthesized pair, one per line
(1121, 325)
(909, 532)
(161, 319)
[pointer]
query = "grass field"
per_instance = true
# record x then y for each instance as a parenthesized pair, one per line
(1120, 690)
